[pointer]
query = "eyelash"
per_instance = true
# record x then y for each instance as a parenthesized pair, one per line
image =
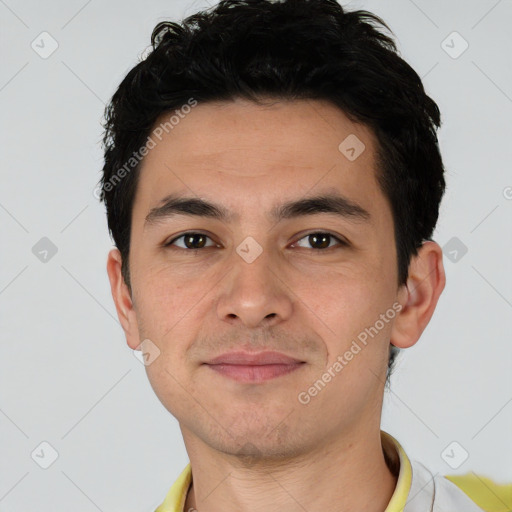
(342, 243)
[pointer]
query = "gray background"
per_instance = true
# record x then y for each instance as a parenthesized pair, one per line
(67, 377)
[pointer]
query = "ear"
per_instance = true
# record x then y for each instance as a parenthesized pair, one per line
(419, 295)
(122, 299)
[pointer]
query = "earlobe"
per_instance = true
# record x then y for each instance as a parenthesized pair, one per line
(122, 299)
(420, 295)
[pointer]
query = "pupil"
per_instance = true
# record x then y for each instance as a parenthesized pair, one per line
(190, 240)
(315, 236)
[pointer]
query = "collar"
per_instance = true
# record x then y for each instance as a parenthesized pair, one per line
(396, 458)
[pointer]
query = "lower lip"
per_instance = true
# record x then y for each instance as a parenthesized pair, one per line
(254, 373)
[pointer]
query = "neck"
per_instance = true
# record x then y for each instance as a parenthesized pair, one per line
(348, 475)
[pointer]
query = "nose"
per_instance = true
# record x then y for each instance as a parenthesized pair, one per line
(254, 293)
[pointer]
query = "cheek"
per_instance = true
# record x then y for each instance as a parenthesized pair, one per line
(169, 314)
(345, 309)
(164, 312)
(341, 296)
(166, 296)
(171, 385)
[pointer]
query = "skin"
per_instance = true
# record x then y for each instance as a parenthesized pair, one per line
(255, 447)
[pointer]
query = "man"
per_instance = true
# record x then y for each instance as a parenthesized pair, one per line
(272, 181)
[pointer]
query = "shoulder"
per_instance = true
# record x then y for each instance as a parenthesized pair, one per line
(455, 493)
(490, 496)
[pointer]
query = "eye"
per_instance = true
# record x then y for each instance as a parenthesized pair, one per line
(191, 240)
(322, 240)
(194, 240)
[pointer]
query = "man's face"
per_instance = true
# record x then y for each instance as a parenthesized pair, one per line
(256, 282)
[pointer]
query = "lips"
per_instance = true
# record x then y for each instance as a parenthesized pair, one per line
(254, 368)
(254, 359)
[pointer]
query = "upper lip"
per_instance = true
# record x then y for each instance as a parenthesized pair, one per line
(253, 358)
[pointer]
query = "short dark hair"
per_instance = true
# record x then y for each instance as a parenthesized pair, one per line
(284, 50)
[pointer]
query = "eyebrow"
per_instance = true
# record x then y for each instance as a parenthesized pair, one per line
(173, 205)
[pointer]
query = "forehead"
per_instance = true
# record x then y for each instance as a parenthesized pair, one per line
(249, 156)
